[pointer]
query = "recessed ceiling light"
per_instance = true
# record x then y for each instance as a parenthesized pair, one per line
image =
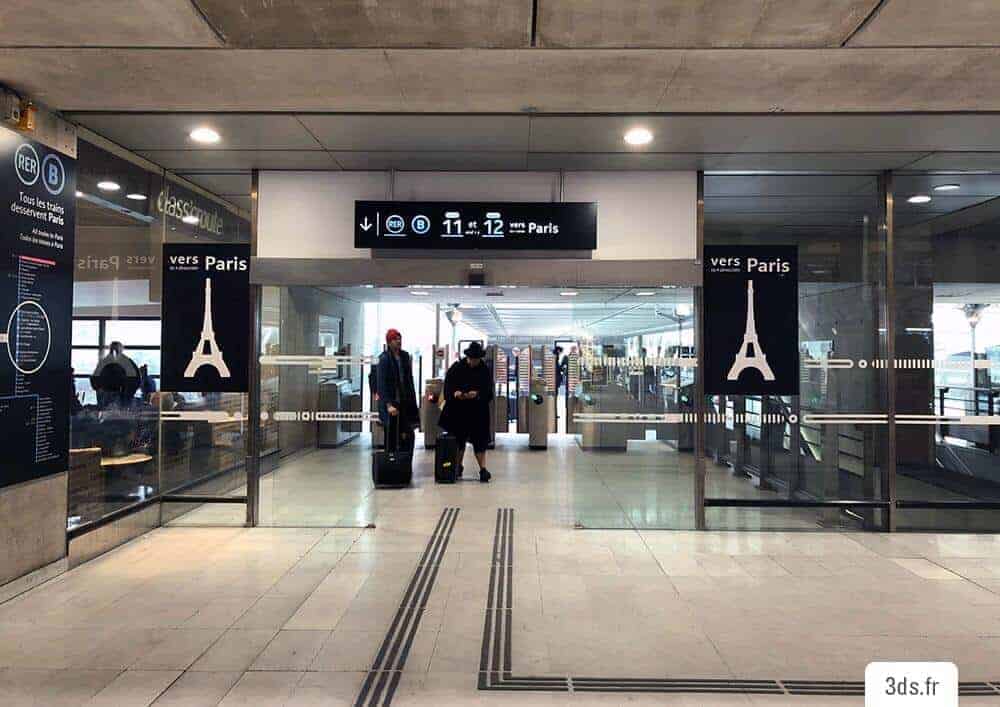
(638, 136)
(136, 196)
(191, 219)
(419, 293)
(79, 194)
(108, 185)
(645, 293)
(204, 135)
(568, 294)
(947, 187)
(919, 199)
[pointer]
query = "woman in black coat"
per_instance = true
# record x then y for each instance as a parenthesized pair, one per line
(468, 392)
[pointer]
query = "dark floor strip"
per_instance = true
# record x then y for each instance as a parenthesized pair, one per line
(495, 672)
(383, 677)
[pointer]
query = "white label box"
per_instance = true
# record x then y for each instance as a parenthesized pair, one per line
(911, 684)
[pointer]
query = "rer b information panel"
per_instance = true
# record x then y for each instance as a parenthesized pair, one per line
(37, 221)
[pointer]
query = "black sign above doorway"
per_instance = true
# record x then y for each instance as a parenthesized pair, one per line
(206, 317)
(467, 225)
(751, 320)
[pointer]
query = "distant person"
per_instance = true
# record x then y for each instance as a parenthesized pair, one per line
(560, 366)
(468, 392)
(397, 399)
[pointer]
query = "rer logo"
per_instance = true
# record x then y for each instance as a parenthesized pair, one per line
(53, 174)
(26, 164)
(395, 224)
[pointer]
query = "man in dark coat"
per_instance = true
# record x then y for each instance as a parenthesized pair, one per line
(468, 392)
(397, 400)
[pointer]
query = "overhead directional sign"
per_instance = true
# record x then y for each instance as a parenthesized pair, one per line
(464, 225)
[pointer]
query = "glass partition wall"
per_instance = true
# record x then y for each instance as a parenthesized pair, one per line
(894, 427)
(947, 286)
(818, 459)
(132, 443)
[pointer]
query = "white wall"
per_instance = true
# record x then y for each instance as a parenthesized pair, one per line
(311, 214)
(641, 215)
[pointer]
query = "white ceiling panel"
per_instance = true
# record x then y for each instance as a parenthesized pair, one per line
(768, 133)
(224, 183)
(383, 133)
(171, 131)
(614, 160)
(223, 160)
(959, 160)
(432, 160)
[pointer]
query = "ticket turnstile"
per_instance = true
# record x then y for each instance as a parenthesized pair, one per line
(541, 409)
(430, 411)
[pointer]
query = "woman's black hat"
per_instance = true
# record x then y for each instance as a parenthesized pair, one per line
(475, 350)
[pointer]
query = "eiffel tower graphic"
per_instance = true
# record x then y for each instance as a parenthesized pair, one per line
(745, 359)
(214, 358)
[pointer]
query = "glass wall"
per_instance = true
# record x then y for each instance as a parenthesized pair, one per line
(947, 290)
(124, 451)
(774, 459)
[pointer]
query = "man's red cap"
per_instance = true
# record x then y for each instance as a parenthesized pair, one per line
(393, 334)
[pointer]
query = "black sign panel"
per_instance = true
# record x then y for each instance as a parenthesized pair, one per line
(751, 319)
(468, 225)
(37, 220)
(206, 317)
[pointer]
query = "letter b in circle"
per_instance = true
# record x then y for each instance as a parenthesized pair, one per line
(53, 175)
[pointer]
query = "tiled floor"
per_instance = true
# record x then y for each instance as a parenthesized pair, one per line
(297, 616)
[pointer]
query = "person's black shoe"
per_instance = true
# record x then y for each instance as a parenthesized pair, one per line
(485, 476)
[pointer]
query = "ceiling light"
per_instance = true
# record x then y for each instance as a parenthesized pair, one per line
(568, 294)
(419, 293)
(947, 187)
(368, 286)
(79, 194)
(191, 219)
(204, 135)
(919, 199)
(638, 136)
(136, 196)
(645, 293)
(108, 185)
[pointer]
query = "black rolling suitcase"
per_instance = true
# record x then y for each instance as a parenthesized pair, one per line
(392, 468)
(446, 459)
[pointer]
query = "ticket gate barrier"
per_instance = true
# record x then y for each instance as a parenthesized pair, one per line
(430, 411)
(541, 408)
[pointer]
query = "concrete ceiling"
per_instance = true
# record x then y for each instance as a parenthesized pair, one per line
(511, 24)
(508, 80)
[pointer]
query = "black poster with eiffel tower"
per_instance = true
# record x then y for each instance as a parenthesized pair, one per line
(751, 320)
(206, 318)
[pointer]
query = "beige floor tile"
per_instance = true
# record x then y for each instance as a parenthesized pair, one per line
(194, 689)
(177, 649)
(291, 650)
(235, 650)
(269, 612)
(135, 688)
(925, 568)
(262, 689)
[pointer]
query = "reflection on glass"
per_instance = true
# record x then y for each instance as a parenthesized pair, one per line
(773, 447)
(948, 294)
(134, 332)
(86, 332)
